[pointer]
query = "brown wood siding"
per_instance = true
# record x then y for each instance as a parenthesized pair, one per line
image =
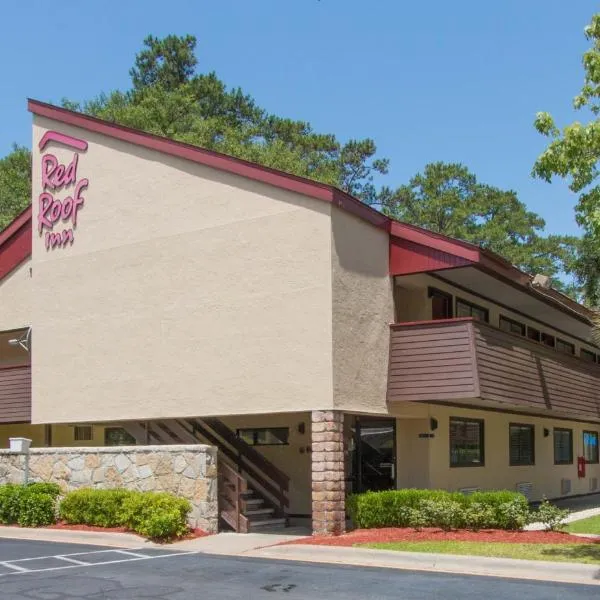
(432, 361)
(519, 372)
(15, 394)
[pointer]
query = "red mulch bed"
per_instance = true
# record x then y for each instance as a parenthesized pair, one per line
(191, 535)
(392, 534)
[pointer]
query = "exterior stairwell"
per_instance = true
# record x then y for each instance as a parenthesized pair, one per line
(253, 493)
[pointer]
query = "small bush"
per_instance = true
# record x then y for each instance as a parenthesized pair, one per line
(151, 514)
(9, 503)
(32, 505)
(439, 508)
(36, 509)
(52, 489)
(552, 517)
(99, 508)
(156, 515)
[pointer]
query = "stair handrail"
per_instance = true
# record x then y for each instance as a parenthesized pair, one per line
(248, 452)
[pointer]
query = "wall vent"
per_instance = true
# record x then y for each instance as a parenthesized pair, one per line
(593, 484)
(565, 487)
(525, 488)
(467, 491)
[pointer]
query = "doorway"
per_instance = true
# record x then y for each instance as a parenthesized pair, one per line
(374, 454)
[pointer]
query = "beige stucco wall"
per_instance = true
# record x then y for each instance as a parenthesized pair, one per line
(187, 291)
(15, 298)
(363, 308)
(497, 473)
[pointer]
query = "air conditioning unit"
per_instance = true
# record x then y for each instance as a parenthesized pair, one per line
(525, 488)
(565, 487)
(467, 491)
(593, 484)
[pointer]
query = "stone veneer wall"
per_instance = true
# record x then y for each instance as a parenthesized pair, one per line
(328, 479)
(188, 471)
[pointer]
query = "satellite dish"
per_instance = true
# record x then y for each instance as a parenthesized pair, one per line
(24, 341)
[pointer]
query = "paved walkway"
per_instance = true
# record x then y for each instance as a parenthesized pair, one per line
(587, 506)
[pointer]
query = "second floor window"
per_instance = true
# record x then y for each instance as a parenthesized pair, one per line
(587, 355)
(441, 304)
(565, 347)
(466, 309)
(511, 326)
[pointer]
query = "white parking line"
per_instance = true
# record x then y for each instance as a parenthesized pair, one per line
(15, 567)
(77, 564)
(71, 560)
(132, 554)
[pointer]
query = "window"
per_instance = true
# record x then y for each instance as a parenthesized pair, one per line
(117, 436)
(466, 442)
(83, 433)
(548, 340)
(534, 334)
(587, 355)
(265, 436)
(563, 446)
(564, 347)
(521, 444)
(466, 309)
(441, 304)
(590, 446)
(511, 326)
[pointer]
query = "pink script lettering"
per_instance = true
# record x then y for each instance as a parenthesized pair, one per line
(52, 210)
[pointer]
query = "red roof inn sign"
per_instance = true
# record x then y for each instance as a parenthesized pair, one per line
(56, 177)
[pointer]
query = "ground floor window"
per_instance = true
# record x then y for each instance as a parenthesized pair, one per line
(466, 442)
(117, 436)
(265, 436)
(563, 446)
(590, 446)
(521, 444)
(83, 433)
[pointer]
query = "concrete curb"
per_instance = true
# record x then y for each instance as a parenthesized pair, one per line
(443, 563)
(67, 536)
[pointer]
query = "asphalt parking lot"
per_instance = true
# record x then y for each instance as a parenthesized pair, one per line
(52, 571)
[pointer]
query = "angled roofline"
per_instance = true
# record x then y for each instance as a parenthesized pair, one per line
(15, 243)
(472, 254)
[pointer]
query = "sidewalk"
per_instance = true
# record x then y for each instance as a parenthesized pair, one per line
(268, 546)
(443, 563)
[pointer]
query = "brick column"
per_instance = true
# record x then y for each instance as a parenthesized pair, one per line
(328, 499)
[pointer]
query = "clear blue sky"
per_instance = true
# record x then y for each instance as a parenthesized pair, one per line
(428, 80)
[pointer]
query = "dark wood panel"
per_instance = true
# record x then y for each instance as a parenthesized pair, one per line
(432, 363)
(15, 394)
(526, 374)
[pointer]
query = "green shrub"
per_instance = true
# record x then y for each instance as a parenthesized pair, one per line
(52, 489)
(439, 508)
(30, 505)
(151, 514)
(552, 517)
(100, 508)
(9, 503)
(36, 509)
(156, 515)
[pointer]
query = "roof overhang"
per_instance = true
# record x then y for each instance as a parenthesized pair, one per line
(15, 243)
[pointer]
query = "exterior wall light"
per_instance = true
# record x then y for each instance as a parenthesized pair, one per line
(24, 341)
(433, 424)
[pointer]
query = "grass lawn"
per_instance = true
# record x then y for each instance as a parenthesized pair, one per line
(591, 525)
(582, 553)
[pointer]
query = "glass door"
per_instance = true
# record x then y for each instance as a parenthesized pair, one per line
(374, 457)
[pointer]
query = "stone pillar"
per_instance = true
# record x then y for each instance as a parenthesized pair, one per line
(328, 489)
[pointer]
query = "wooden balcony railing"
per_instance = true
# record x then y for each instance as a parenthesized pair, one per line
(15, 394)
(457, 359)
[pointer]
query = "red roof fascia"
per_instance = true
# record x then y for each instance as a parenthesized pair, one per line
(407, 257)
(439, 242)
(15, 243)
